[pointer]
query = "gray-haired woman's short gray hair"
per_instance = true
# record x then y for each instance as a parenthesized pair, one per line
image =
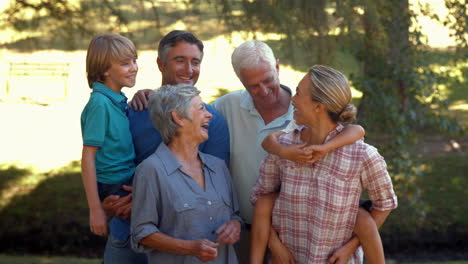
(251, 54)
(166, 99)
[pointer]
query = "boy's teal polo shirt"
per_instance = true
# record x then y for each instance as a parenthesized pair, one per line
(104, 124)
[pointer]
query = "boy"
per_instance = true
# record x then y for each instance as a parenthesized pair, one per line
(108, 152)
(365, 227)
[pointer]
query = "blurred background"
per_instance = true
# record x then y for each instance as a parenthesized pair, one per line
(407, 61)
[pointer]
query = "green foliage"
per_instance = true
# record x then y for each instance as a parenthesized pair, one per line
(50, 218)
(221, 92)
(457, 21)
(443, 225)
(70, 25)
(394, 78)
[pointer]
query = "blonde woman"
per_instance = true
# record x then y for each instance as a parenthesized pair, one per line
(317, 205)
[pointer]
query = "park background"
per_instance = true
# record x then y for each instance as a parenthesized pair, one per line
(406, 60)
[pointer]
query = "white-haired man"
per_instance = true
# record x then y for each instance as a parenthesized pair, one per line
(252, 114)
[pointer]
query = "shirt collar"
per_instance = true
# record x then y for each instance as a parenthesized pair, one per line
(247, 103)
(339, 127)
(114, 96)
(208, 163)
(171, 164)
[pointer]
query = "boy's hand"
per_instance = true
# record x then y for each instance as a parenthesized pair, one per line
(296, 153)
(271, 140)
(98, 222)
(318, 152)
(139, 101)
(342, 254)
(229, 232)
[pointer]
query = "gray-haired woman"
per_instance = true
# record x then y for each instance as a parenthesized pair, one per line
(184, 209)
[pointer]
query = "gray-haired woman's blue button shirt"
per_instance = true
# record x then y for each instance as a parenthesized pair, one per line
(167, 200)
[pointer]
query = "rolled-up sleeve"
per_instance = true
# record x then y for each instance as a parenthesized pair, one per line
(145, 216)
(376, 181)
(269, 179)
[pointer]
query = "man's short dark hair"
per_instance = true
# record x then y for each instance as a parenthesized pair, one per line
(172, 38)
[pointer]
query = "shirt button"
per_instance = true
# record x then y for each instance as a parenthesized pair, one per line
(209, 203)
(185, 205)
(211, 219)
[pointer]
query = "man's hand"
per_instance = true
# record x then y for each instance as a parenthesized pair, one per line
(139, 101)
(117, 206)
(229, 232)
(205, 250)
(280, 254)
(342, 254)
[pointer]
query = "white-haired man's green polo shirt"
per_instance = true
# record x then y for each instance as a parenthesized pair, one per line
(104, 124)
(247, 130)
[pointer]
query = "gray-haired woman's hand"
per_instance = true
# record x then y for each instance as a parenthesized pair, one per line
(205, 250)
(229, 232)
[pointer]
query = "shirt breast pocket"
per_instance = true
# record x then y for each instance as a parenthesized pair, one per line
(187, 223)
(339, 191)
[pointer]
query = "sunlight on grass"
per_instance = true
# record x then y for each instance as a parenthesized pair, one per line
(460, 106)
(19, 180)
(20, 185)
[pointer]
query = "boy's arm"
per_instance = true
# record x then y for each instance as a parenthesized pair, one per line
(294, 153)
(97, 217)
(342, 254)
(261, 224)
(139, 101)
(349, 135)
(310, 154)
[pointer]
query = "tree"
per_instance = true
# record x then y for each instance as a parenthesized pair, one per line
(394, 79)
(393, 75)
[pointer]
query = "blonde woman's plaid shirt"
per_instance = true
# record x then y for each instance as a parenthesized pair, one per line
(317, 207)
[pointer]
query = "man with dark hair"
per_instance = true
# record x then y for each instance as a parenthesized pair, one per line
(172, 38)
(179, 56)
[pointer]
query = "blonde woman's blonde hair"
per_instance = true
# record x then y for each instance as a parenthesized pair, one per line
(102, 51)
(331, 88)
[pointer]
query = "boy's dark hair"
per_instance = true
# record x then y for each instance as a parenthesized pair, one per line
(102, 51)
(172, 38)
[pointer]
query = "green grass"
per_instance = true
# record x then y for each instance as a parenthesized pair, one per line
(5, 259)
(448, 262)
(45, 213)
